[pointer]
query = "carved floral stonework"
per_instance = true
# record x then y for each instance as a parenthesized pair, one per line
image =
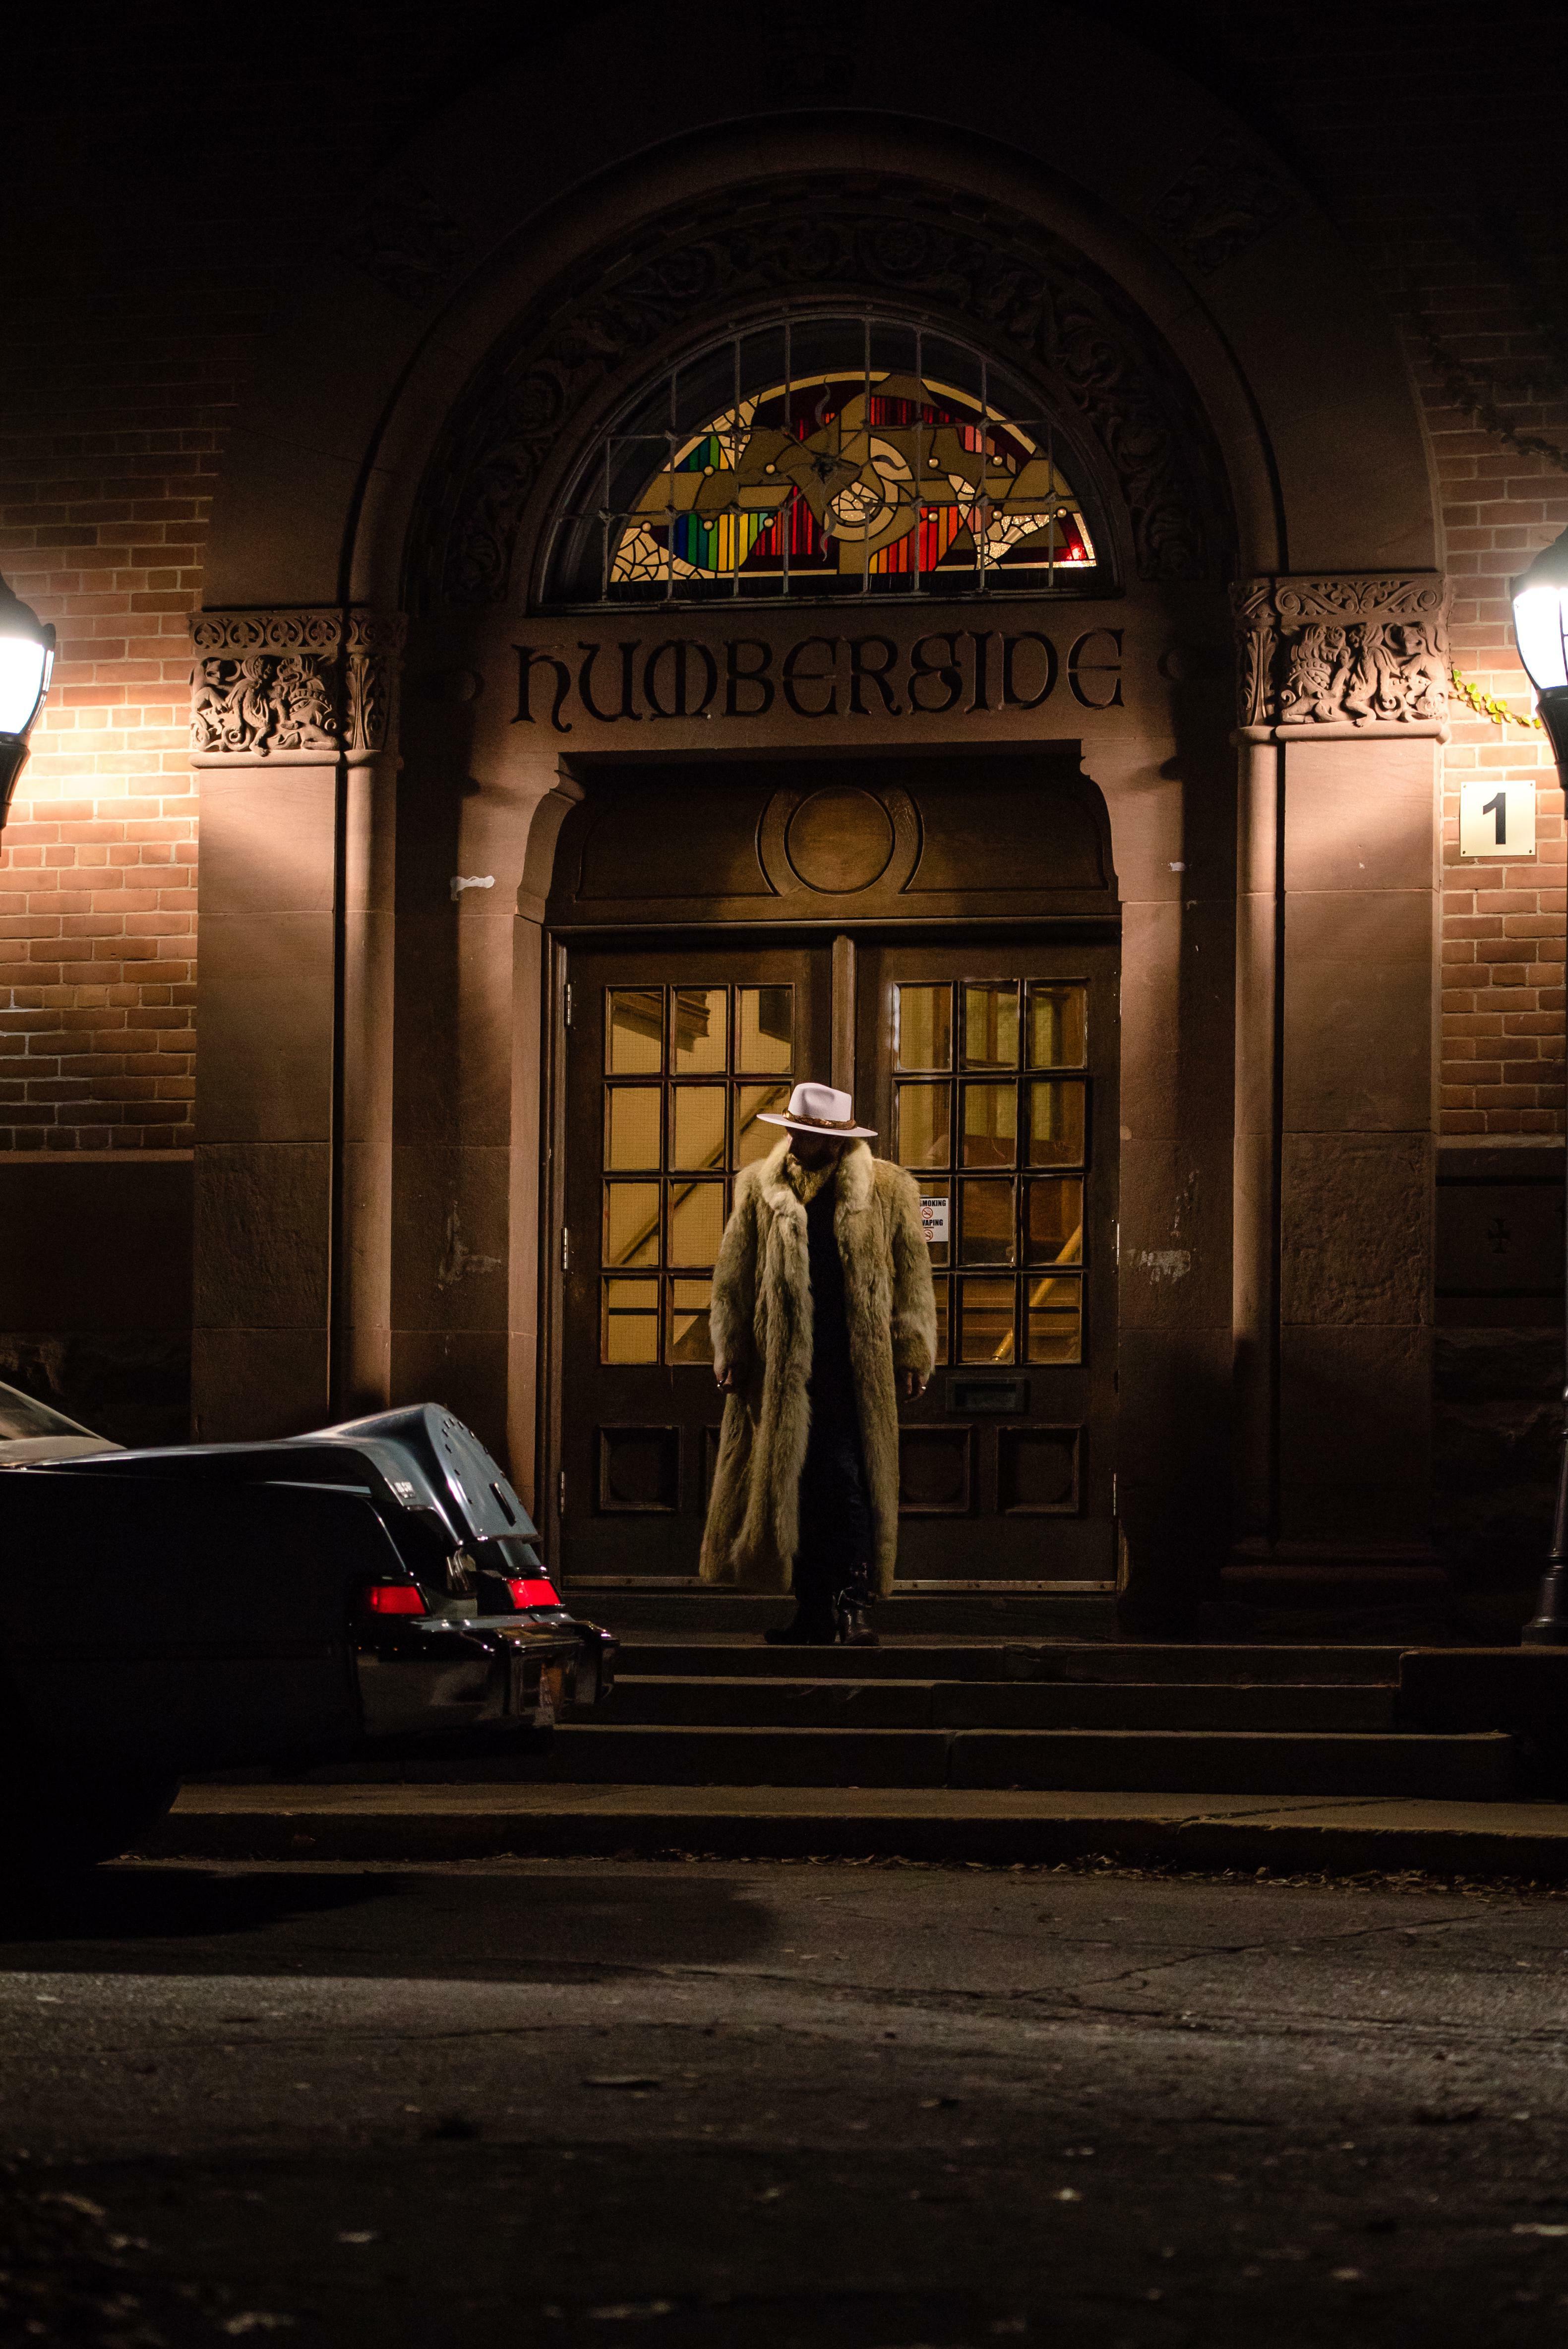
(1362, 650)
(373, 650)
(1221, 206)
(276, 681)
(407, 242)
(1028, 296)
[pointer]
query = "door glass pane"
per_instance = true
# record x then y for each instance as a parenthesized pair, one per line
(987, 1234)
(631, 1223)
(633, 1032)
(696, 1222)
(1054, 1232)
(696, 1125)
(936, 1216)
(765, 1024)
(632, 1127)
(690, 1337)
(985, 1320)
(920, 1113)
(698, 1024)
(753, 1140)
(990, 1125)
(1055, 1317)
(1056, 1121)
(1057, 1026)
(923, 1026)
(630, 1327)
(991, 1026)
(942, 1287)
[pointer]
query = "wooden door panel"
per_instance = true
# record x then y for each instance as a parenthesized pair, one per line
(993, 1071)
(672, 1055)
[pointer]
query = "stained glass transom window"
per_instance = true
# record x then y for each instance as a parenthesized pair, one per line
(826, 457)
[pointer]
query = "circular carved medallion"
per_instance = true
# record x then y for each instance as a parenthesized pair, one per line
(839, 840)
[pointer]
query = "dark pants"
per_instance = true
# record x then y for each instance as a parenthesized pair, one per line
(834, 1542)
(835, 1538)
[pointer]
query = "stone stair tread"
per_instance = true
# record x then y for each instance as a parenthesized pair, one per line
(1469, 1737)
(805, 1679)
(650, 1699)
(997, 1826)
(1146, 1663)
(1477, 1765)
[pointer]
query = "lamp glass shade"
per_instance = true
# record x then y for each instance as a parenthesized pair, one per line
(24, 665)
(1540, 621)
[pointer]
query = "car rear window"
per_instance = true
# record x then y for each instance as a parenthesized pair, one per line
(21, 1416)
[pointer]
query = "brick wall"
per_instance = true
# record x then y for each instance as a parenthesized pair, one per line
(101, 533)
(1502, 924)
(1432, 135)
(164, 197)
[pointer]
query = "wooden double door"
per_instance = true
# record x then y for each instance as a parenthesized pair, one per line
(989, 1070)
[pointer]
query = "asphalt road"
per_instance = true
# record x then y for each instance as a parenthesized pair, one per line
(613, 2103)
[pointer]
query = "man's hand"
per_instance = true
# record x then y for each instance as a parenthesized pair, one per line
(912, 1386)
(726, 1378)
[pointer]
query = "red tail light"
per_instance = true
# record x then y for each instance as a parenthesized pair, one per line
(534, 1591)
(395, 1599)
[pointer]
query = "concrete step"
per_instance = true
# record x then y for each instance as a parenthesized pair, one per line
(1474, 1768)
(755, 1701)
(701, 1614)
(1141, 1663)
(1285, 1832)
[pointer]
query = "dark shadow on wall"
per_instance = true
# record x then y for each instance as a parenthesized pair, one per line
(452, 1073)
(94, 1293)
(1498, 1371)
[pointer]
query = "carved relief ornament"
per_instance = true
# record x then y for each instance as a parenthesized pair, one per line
(1223, 203)
(294, 684)
(810, 241)
(1356, 653)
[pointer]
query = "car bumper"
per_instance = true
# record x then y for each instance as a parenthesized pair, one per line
(428, 1674)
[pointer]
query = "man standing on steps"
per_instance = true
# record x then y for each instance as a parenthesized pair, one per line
(823, 1318)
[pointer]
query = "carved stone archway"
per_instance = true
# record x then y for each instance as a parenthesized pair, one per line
(513, 436)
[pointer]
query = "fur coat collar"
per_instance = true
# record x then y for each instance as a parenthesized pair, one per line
(762, 1324)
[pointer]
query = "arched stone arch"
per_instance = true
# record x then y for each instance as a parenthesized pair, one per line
(747, 255)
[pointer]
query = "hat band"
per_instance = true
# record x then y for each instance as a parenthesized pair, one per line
(829, 1124)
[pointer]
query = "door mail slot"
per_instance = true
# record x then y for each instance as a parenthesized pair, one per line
(989, 1398)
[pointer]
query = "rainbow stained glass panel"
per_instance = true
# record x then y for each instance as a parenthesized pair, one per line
(823, 454)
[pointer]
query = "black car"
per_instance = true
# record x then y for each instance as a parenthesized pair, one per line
(32, 1431)
(208, 1606)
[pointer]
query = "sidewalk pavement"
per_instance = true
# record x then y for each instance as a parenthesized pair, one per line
(1287, 1833)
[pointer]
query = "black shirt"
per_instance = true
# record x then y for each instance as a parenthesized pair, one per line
(833, 1374)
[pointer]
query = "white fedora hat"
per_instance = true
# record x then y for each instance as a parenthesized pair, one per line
(820, 1109)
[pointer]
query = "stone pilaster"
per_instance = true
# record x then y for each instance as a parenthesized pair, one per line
(293, 733)
(1342, 687)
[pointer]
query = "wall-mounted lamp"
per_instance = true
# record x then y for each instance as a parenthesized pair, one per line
(27, 658)
(1540, 631)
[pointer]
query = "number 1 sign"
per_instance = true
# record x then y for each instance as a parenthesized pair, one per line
(1497, 820)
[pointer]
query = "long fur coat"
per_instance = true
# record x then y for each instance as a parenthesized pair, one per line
(762, 1324)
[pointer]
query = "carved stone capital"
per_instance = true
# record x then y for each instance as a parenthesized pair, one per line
(294, 684)
(1358, 652)
(373, 657)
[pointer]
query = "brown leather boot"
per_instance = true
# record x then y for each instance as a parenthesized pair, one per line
(853, 1611)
